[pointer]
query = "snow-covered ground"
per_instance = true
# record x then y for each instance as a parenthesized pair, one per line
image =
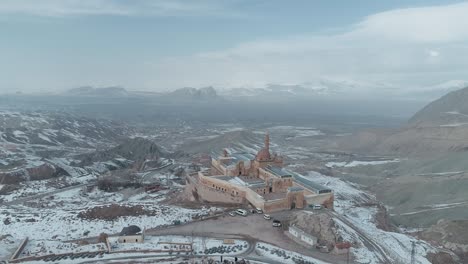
(58, 220)
(356, 207)
(284, 256)
(140, 257)
(356, 163)
(301, 153)
(67, 226)
(455, 113)
(8, 245)
(47, 247)
(28, 189)
(31, 188)
(454, 125)
(296, 132)
(436, 207)
(167, 243)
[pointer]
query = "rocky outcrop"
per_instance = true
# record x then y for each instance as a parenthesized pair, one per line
(383, 219)
(450, 234)
(135, 150)
(45, 171)
(14, 177)
(441, 258)
(320, 225)
(39, 172)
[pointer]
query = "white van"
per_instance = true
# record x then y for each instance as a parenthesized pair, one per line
(258, 210)
(241, 212)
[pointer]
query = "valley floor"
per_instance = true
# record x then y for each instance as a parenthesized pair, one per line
(70, 216)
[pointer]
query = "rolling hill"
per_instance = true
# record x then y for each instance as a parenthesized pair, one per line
(440, 127)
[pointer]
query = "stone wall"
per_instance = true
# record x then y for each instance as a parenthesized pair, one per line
(221, 185)
(214, 196)
(325, 199)
(131, 239)
(296, 198)
(214, 190)
(276, 205)
(302, 237)
(216, 164)
(255, 199)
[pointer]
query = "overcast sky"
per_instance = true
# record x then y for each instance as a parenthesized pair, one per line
(166, 44)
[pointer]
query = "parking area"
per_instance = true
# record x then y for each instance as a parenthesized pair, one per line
(252, 227)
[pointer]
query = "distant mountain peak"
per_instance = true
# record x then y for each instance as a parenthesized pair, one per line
(99, 91)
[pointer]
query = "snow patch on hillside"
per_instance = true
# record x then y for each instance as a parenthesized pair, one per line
(283, 256)
(359, 209)
(356, 163)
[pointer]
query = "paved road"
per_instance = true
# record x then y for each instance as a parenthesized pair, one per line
(369, 243)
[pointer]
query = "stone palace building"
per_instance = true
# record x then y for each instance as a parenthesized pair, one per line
(259, 180)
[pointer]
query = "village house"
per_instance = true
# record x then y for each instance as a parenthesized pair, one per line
(131, 234)
(301, 236)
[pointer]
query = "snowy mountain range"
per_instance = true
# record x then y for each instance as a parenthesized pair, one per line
(329, 87)
(112, 91)
(189, 93)
(344, 88)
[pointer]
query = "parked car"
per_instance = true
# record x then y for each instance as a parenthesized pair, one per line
(233, 213)
(316, 207)
(266, 216)
(258, 211)
(276, 223)
(241, 212)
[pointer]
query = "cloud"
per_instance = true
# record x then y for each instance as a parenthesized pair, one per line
(425, 24)
(63, 8)
(402, 45)
(432, 53)
(387, 46)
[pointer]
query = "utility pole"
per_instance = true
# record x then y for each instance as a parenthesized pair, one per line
(204, 244)
(192, 253)
(168, 181)
(347, 256)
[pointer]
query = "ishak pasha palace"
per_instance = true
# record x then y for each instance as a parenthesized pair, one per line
(259, 180)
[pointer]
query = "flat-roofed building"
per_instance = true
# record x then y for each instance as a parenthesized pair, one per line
(301, 236)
